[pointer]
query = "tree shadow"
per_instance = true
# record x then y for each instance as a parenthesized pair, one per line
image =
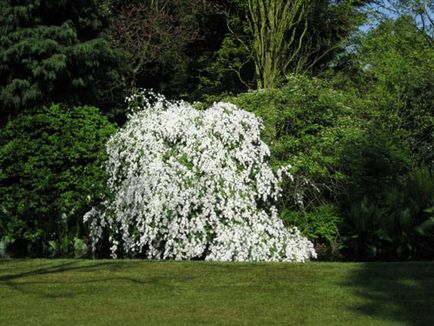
(63, 285)
(395, 292)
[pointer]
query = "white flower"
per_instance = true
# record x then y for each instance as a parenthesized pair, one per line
(193, 184)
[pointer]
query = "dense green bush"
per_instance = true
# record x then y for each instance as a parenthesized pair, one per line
(394, 67)
(397, 222)
(347, 160)
(305, 121)
(321, 225)
(383, 199)
(50, 175)
(372, 161)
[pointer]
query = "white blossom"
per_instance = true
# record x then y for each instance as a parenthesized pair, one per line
(190, 184)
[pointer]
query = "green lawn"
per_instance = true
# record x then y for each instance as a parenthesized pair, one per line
(127, 292)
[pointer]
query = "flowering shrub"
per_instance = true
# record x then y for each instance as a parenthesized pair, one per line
(193, 184)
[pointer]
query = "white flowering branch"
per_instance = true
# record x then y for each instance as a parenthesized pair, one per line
(193, 184)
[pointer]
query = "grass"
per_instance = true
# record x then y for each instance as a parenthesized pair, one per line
(131, 292)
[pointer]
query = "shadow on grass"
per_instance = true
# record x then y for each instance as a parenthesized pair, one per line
(50, 269)
(62, 283)
(395, 292)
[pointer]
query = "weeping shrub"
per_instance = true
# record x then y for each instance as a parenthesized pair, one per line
(190, 184)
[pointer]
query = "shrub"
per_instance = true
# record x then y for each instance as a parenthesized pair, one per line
(320, 224)
(307, 123)
(190, 184)
(50, 175)
(372, 161)
(397, 222)
(304, 123)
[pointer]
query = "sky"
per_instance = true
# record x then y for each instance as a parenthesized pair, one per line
(389, 13)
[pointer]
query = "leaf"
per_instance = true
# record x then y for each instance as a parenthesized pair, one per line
(422, 228)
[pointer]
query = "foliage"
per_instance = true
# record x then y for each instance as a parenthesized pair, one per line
(398, 222)
(330, 25)
(420, 11)
(304, 122)
(228, 70)
(344, 152)
(193, 184)
(163, 40)
(359, 140)
(50, 175)
(393, 66)
(54, 51)
(320, 224)
(372, 160)
(305, 42)
(405, 79)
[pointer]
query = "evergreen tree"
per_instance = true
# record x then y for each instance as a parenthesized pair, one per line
(54, 51)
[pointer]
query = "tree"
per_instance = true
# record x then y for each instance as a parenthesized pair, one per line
(272, 25)
(160, 38)
(152, 35)
(54, 51)
(330, 23)
(393, 66)
(267, 40)
(422, 12)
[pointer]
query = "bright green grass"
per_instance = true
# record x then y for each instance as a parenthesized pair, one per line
(132, 292)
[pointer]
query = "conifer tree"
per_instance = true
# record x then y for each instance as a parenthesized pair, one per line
(54, 51)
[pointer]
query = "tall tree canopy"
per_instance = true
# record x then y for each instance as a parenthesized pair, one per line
(421, 11)
(273, 25)
(161, 39)
(267, 39)
(394, 65)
